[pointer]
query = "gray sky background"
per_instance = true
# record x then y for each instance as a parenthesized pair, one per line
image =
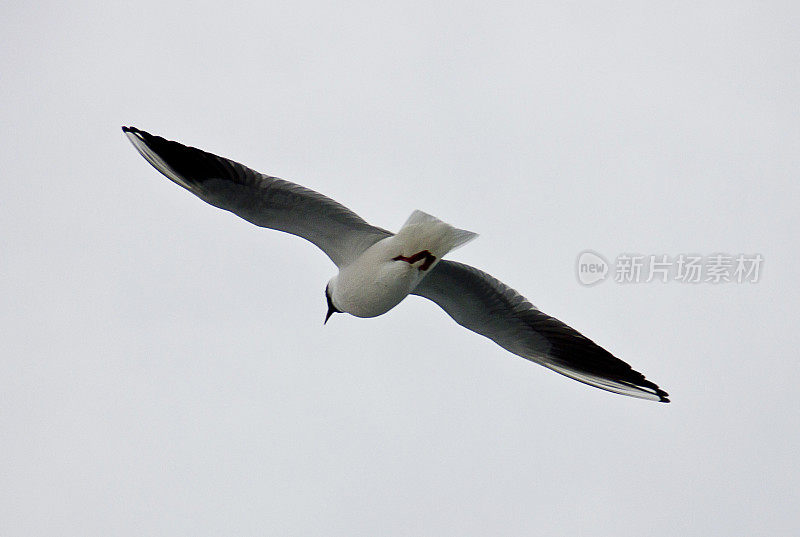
(164, 366)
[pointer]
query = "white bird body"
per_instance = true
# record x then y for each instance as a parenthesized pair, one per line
(389, 270)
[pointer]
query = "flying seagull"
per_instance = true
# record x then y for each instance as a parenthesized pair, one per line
(378, 269)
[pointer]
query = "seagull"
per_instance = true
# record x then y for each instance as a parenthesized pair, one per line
(377, 269)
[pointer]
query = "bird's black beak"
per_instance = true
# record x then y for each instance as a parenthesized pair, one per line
(331, 308)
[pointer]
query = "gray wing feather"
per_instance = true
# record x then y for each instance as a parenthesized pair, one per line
(481, 303)
(260, 199)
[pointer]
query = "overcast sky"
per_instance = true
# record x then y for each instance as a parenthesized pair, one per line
(164, 369)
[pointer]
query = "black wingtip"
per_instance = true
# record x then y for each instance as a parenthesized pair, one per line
(663, 397)
(132, 130)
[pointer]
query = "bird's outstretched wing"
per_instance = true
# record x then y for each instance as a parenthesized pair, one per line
(263, 200)
(481, 303)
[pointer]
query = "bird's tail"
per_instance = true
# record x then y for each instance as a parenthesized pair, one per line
(425, 232)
